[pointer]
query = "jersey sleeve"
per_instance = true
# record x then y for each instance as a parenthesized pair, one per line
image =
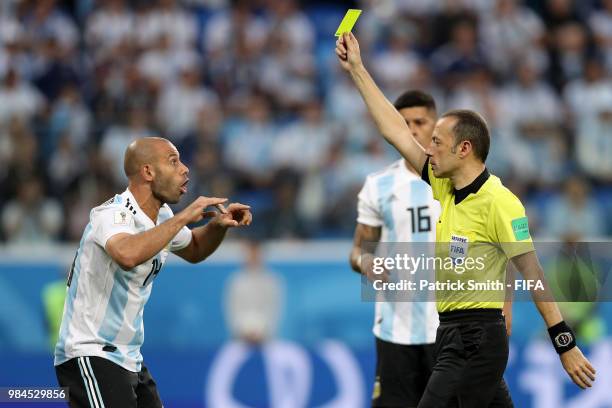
(509, 225)
(440, 187)
(180, 240)
(109, 221)
(368, 211)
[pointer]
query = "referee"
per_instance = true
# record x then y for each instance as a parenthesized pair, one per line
(471, 343)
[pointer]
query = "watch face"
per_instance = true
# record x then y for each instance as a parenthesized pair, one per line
(563, 339)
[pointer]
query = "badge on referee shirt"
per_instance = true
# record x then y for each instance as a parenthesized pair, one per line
(458, 247)
(520, 228)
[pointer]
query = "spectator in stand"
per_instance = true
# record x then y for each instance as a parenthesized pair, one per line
(509, 32)
(19, 99)
(287, 74)
(161, 63)
(182, 102)
(233, 40)
(166, 18)
(66, 164)
(574, 213)
(248, 142)
(397, 63)
(45, 20)
(301, 145)
(110, 25)
(600, 23)
(117, 138)
(458, 56)
(30, 217)
(69, 118)
(24, 161)
(590, 103)
(534, 129)
(288, 21)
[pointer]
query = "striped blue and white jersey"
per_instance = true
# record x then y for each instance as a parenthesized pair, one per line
(103, 311)
(392, 199)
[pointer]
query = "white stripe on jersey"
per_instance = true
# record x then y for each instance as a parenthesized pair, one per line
(104, 304)
(384, 201)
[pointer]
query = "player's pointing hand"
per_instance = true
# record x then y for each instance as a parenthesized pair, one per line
(197, 210)
(347, 50)
(234, 215)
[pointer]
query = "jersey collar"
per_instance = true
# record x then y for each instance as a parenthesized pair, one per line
(471, 188)
(132, 205)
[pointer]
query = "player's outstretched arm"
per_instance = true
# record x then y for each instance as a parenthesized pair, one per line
(130, 250)
(574, 362)
(205, 240)
(388, 120)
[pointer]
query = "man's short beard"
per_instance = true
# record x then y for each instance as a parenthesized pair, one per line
(162, 198)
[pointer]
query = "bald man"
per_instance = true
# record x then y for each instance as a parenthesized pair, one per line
(122, 250)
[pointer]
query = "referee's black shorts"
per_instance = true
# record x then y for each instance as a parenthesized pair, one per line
(98, 382)
(402, 372)
(471, 356)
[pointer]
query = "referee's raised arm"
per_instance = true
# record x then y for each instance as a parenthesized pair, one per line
(388, 120)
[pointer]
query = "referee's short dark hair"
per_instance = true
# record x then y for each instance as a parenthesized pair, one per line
(415, 98)
(471, 126)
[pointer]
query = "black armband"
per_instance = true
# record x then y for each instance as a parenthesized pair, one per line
(562, 337)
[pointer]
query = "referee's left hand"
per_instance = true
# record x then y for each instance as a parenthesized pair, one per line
(578, 367)
(235, 215)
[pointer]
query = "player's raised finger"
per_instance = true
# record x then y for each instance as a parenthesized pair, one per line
(208, 201)
(238, 206)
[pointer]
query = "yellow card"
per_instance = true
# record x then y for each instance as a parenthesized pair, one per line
(347, 23)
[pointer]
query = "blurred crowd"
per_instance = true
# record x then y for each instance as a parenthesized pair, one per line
(252, 96)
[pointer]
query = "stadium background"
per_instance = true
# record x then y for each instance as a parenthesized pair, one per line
(251, 94)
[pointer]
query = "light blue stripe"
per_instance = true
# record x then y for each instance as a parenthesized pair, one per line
(163, 215)
(95, 381)
(418, 323)
(115, 310)
(138, 338)
(385, 191)
(60, 348)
